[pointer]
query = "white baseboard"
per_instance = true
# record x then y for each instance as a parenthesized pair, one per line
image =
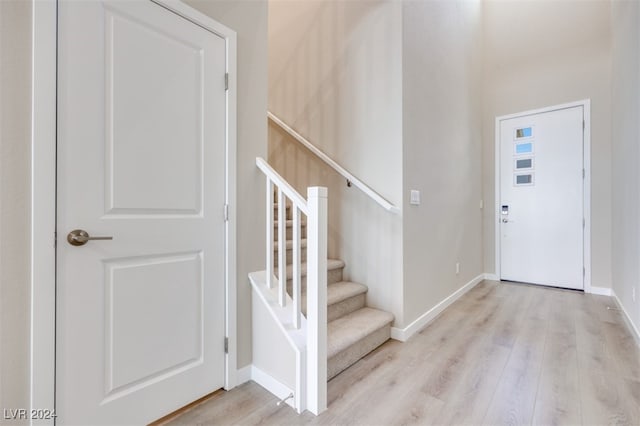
(491, 277)
(632, 326)
(251, 372)
(601, 291)
(243, 375)
(403, 334)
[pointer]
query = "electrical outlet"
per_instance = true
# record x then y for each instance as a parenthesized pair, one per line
(458, 268)
(481, 204)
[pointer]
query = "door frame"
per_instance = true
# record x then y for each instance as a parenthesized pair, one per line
(43, 197)
(586, 192)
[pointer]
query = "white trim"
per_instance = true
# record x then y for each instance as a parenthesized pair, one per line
(403, 334)
(337, 167)
(491, 277)
(586, 202)
(230, 37)
(277, 388)
(252, 373)
(43, 207)
(634, 330)
(43, 263)
(243, 375)
(601, 291)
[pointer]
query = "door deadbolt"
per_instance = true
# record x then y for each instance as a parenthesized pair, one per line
(79, 237)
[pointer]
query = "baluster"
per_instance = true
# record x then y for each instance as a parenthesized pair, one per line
(296, 269)
(270, 225)
(282, 249)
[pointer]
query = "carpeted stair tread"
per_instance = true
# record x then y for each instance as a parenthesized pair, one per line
(331, 265)
(343, 290)
(289, 244)
(336, 293)
(349, 329)
(289, 223)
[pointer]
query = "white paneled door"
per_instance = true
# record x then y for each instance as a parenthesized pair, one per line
(541, 198)
(141, 160)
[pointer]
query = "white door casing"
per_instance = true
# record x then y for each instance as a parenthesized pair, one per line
(143, 153)
(541, 194)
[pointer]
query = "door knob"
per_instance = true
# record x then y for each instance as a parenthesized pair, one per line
(78, 237)
(505, 220)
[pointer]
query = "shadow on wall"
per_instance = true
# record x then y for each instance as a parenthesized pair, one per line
(363, 234)
(335, 76)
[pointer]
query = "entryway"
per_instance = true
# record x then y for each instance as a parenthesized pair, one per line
(142, 187)
(540, 182)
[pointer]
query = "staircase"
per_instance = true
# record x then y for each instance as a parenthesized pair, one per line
(353, 329)
(308, 322)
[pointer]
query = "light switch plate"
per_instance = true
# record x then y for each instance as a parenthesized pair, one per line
(415, 197)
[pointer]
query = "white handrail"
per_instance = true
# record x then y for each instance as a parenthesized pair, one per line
(288, 190)
(337, 167)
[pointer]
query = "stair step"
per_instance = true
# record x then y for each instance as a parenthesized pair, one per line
(289, 229)
(289, 244)
(333, 265)
(275, 206)
(343, 290)
(289, 223)
(343, 298)
(353, 336)
(289, 251)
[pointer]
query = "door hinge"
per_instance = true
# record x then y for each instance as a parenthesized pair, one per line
(55, 239)
(226, 345)
(226, 81)
(584, 126)
(583, 173)
(226, 212)
(584, 273)
(584, 223)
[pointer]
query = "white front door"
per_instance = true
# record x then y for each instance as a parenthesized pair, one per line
(141, 159)
(541, 198)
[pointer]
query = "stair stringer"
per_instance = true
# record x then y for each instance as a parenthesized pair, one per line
(272, 326)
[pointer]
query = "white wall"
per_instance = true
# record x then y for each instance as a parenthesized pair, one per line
(15, 141)
(442, 149)
(335, 76)
(249, 19)
(626, 155)
(544, 53)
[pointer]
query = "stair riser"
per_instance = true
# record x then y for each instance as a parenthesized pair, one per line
(343, 360)
(342, 308)
(287, 212)
(345, 307)
(289, 232)
(303, 255)
(333, 276)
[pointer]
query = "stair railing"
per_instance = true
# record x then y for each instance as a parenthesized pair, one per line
(351, 179)
(314, 370)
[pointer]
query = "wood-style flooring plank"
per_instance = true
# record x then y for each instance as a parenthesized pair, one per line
(556, 402)
(514, 398)
(505, 353)
(600, 389)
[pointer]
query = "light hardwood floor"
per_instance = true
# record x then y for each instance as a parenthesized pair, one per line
(503, 354)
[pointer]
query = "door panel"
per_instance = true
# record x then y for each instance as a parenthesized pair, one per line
(541, 205)
(140, 60)
(137, 351)
(141, 158)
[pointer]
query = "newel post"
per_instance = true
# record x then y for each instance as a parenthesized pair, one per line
(317, 300)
